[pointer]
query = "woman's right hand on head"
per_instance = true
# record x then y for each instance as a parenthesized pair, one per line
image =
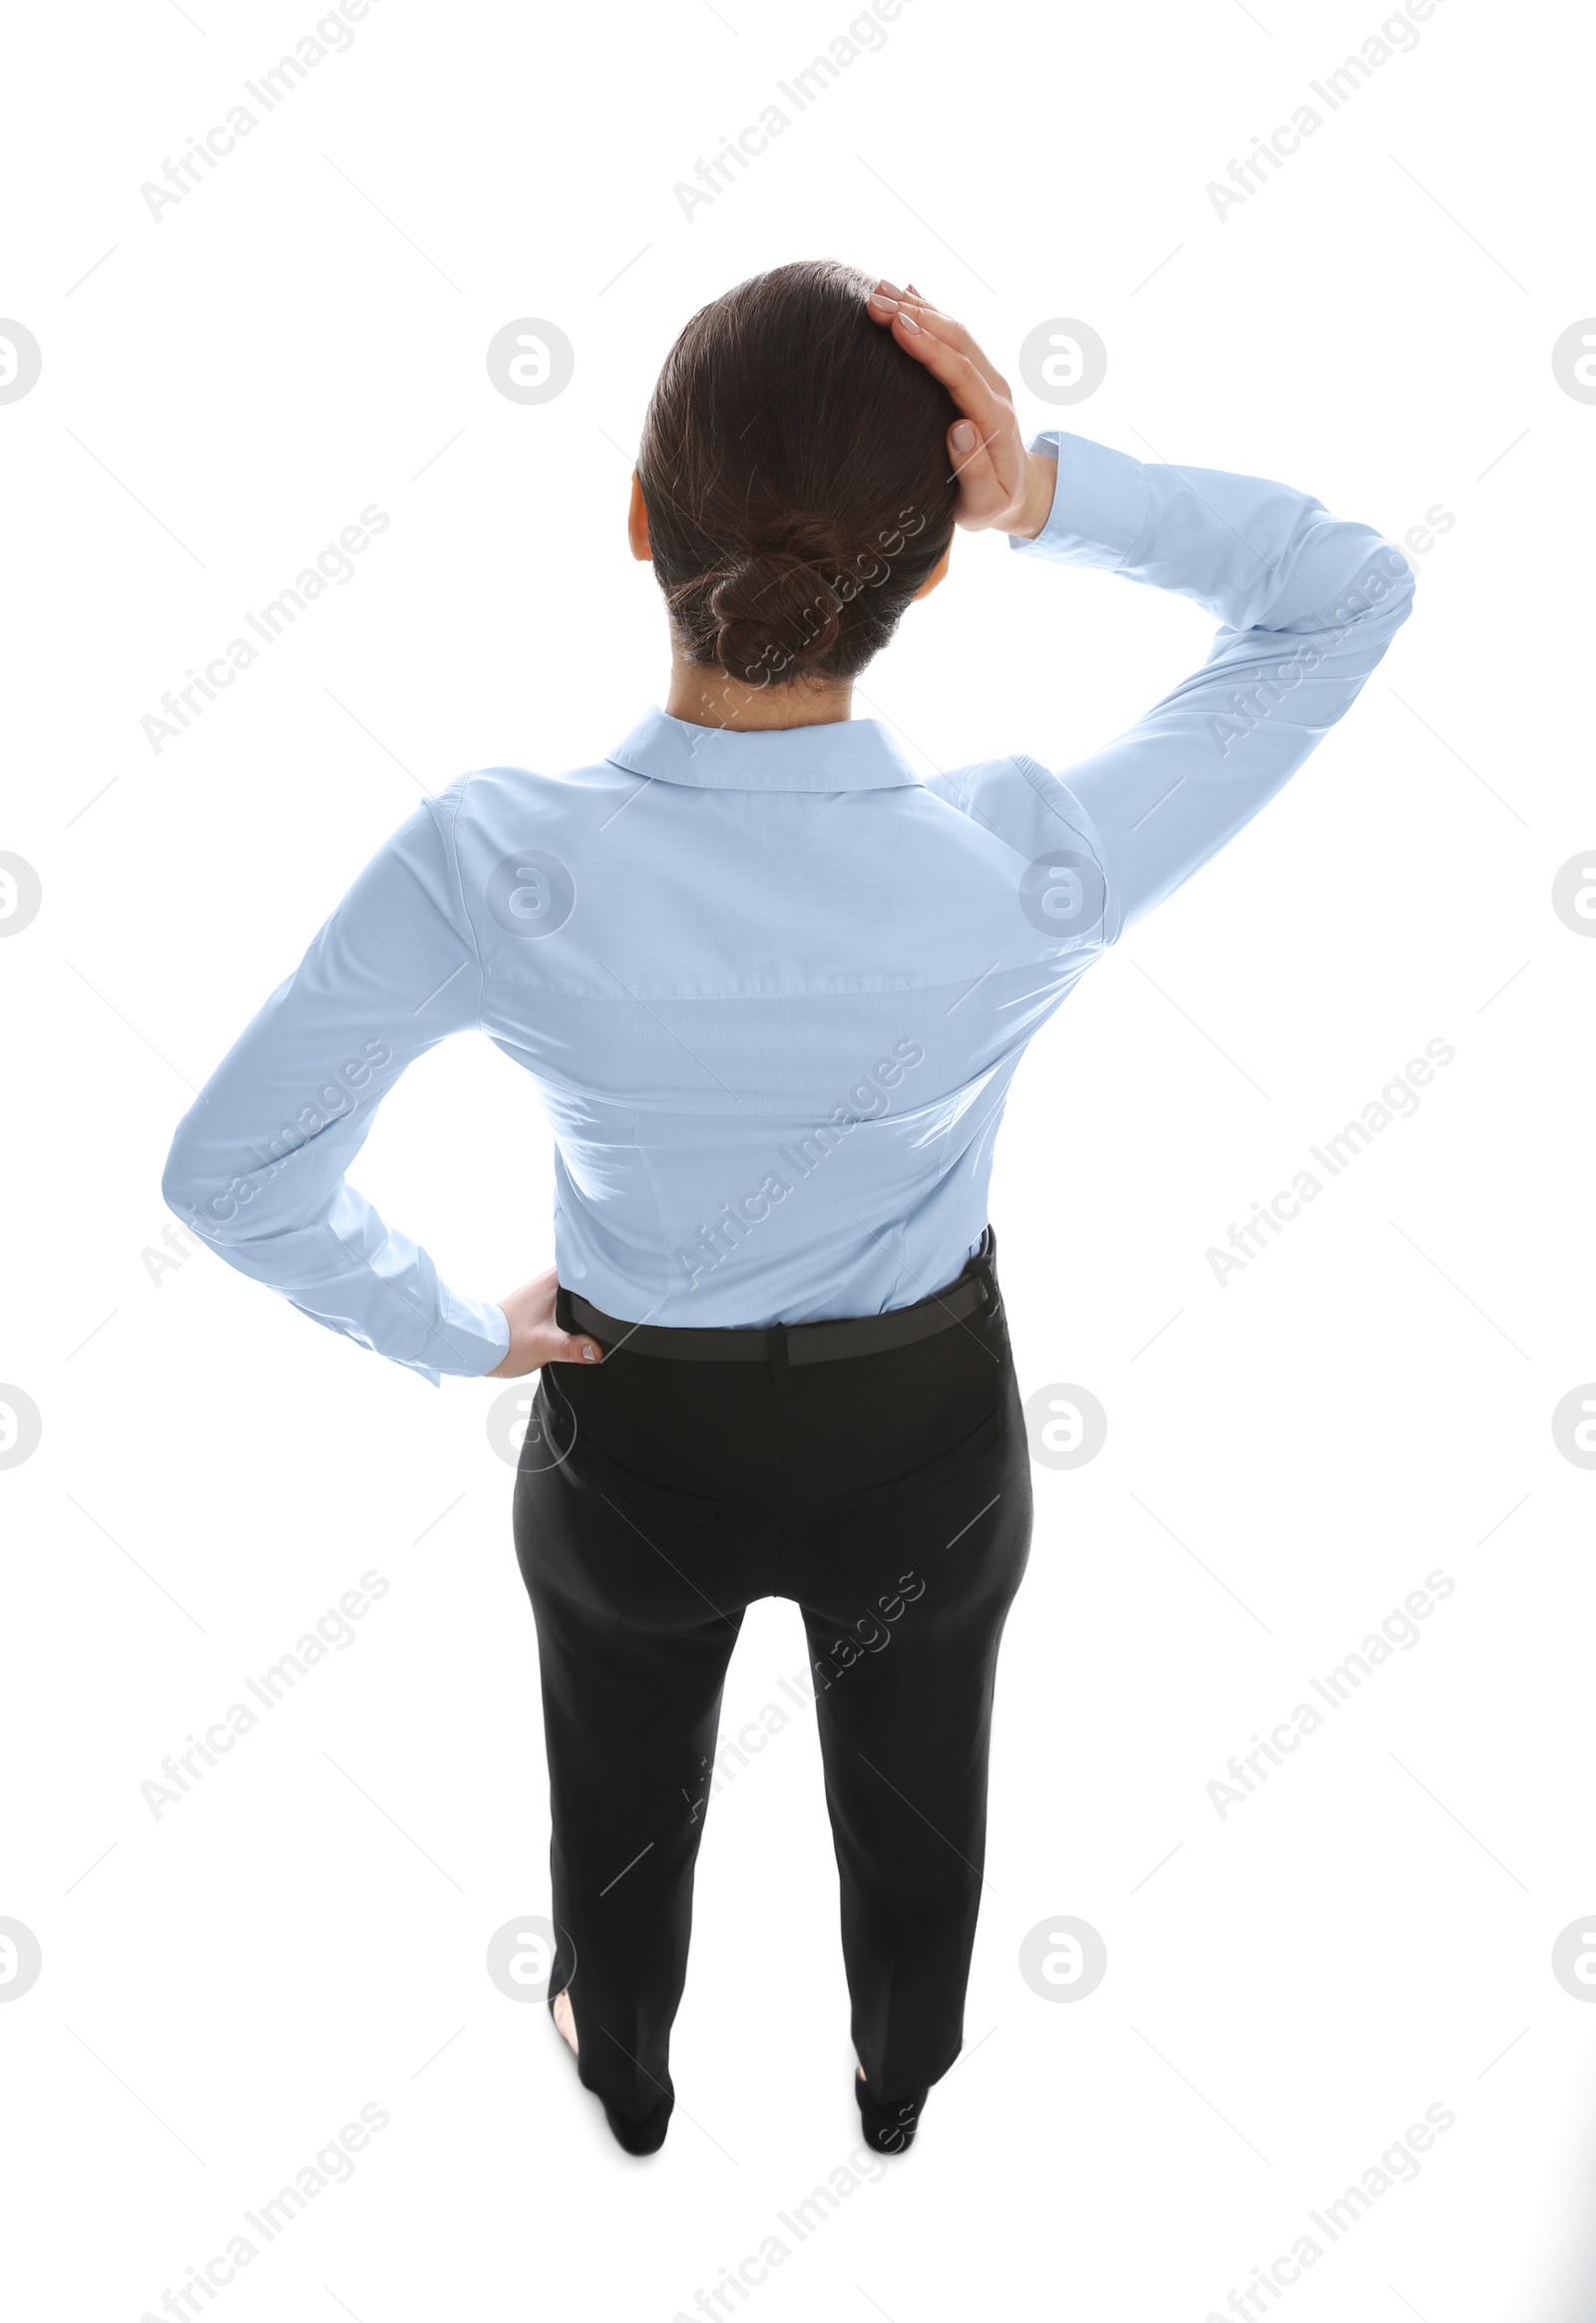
(536, 1337)
(1002, 487)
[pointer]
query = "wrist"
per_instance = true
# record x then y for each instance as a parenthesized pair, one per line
(1041, 478)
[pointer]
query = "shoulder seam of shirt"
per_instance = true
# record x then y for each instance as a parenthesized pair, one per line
(451, 855)
(962, 802)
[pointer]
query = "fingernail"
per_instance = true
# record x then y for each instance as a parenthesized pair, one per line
(587, 1355)
(891, 288)
(964, 437)
(906, 319)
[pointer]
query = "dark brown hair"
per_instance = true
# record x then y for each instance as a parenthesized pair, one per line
(794, 465)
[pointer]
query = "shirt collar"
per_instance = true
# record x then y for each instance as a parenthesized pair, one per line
(851, 754)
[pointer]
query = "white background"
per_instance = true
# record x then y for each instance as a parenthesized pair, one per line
(1288, 1456)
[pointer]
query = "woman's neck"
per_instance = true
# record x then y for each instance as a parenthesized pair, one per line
(709, 697)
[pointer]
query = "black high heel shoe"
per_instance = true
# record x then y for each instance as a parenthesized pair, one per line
(644, 2137)
(888, 2128)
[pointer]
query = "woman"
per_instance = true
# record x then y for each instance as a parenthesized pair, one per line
(773, 987)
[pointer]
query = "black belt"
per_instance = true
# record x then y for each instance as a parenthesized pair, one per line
(974, 1291)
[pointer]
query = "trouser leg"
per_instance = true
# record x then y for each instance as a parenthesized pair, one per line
(904, 1623)
(632, 1657)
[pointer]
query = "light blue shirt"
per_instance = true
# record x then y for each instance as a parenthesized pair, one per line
(773, 987)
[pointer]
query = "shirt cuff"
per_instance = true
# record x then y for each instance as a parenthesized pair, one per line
(496, 1322)
(476, 1333)
(1099, 503)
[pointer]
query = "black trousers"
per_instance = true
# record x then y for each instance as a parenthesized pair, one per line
(889, 1495)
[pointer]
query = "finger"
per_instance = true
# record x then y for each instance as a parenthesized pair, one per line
(568, 1349)
(957, 340)
(981, 490)
(946, 326)
(931, 317)
(885, 298)
(964, 379)
(932, 342)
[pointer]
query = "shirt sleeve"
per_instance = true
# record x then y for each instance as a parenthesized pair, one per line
(1308, 603)
(257, 1164)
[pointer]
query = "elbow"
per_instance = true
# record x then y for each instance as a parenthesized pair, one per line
(219, 1188)
(179, 1186)
(1396, 605)
(1348, 578)
(186, 1185)
(1380, 596)
(1403, 577)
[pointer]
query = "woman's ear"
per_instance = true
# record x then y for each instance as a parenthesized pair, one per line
(937, 572)
(638, 524)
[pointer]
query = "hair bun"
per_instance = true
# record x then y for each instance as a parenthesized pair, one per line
(775, 610)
